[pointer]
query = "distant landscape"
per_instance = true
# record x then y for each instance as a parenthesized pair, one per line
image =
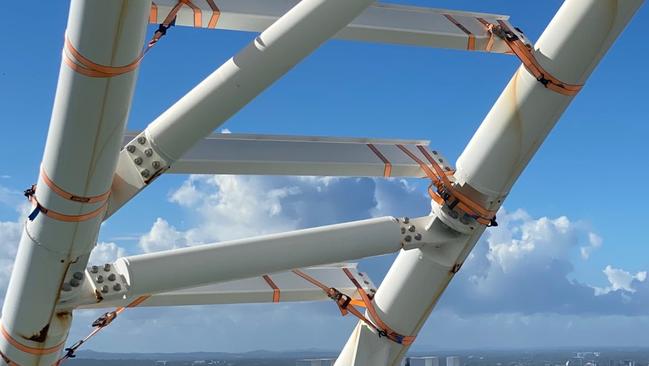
(541, 357)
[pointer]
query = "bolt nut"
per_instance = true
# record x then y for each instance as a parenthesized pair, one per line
(148, 152)
(111, 277)
(406, 220)
(464, 219)
(408, 238)
(106, 267)
(117, 287)
(412, 228)
(100, 279)
(130, 148)
(434, 152)
(403, 230)
(66, 287)
(453, 214)
(138, 161)
(418, 236)
(104, 289)
(156, 164)
(74, 282)
(145, 173)
(77, 276)
(141, 140)
(94, 269)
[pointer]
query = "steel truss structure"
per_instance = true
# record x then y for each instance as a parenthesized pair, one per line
(90, 168)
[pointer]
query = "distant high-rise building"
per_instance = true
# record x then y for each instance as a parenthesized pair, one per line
(453, 361)
(424, 361)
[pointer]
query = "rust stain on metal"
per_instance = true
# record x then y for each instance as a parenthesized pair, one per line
(41, 336)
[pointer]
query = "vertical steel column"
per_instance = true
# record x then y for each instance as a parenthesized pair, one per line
(570, 48)
(80, 156)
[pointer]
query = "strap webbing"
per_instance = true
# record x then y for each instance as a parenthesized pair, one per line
(100, 323)
(525, 53)
(445, 193)
(346, 306)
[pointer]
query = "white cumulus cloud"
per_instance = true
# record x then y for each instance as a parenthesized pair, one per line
(620, 279)
(106, 253)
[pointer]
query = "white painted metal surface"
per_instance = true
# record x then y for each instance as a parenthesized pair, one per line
(237, 259)
(511, 133)
(80, 156)
(384, 23)
(300, 155)
(290, 288)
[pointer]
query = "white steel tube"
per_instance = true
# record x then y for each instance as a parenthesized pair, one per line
(273, 53)
(190, 267)
(572, 45)
(84, 138)
(570, 49)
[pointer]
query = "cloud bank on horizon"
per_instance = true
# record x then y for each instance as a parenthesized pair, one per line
(516, 288)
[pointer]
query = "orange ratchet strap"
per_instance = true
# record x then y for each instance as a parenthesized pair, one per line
(271, 283)
(38, 208)
(445, 193)
(387, 170)
(83, 65)
(99, 324)
(170, 19)
(524, 52)
(346, 306)
(471, 45)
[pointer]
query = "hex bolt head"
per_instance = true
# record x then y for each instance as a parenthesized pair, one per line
(74, 282)
(408, 238)
(94, 269)
(130, 148)
(403, 230)
(104, 289)
(145, 173)
(111, 277)
(66, 287)
(141, 140)
(138, 161)
(77, 276)
(117, 287)
(100, 279)
(412, 228)
(148, 152)
(107, 267)
(418, 236)
(406, 220)
(156, 165)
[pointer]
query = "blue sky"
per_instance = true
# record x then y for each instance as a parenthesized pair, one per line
(594, 158)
